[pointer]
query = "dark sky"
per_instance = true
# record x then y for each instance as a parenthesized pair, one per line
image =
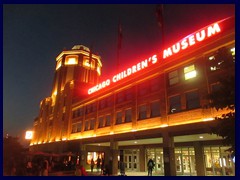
(33, 35)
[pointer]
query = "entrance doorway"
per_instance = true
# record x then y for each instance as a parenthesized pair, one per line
(185, 161)
(157, 156)
(131, 160)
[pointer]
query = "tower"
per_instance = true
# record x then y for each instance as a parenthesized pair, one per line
(76, 70)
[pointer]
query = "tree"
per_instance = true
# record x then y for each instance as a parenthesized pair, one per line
(224, 97)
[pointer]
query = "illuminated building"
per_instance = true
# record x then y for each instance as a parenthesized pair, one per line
(153, 108)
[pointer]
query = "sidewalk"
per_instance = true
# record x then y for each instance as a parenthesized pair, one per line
(95, 173)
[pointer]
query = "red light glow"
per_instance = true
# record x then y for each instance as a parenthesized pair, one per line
(188, 41)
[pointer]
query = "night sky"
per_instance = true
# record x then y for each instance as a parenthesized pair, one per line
(33, 36)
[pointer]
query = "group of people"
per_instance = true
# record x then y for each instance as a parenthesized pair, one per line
(100, 164)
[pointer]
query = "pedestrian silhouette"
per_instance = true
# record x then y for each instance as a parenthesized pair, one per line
(150, 166)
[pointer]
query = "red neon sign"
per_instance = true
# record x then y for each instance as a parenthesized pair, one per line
(181, 45)
(192, 39)
(127, 72)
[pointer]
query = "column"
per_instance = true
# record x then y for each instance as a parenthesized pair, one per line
(168, 155)
(199, 159)
(142, 160)
(83, 155)
(113, 159)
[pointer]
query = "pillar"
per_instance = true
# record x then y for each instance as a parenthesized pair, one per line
(83, 155)
(168, 155)
(113, 159)
(142, 160)
(199, 159)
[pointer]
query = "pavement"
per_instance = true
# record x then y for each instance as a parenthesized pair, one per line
(95, 173)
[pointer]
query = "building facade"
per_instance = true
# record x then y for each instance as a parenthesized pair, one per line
(155, 108)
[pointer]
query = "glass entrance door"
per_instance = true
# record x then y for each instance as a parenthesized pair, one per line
(157, 156)
(185, 161)
(131, 160)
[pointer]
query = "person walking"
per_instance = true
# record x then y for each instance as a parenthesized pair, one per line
(150, 166)
(92, 165)
(98, 164)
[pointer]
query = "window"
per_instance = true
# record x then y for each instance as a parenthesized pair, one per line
(190, 72)
(92, 124)
(86, 61)
(100, 121)
(192, 100)
(173, 77)
(79, 127)
(90, 108)
(142, 111)
(80, 112)
(119, 118)
(99, 70)
(155, 109)
(128, 115)
(77, 113)
(175, 104)
(74, 128)
(71, 60)
(86, 126)
(108, 120)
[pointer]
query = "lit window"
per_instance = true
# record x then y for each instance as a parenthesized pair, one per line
(86, 62)
(89, 63)
(211, 58)
(92, 63)
(99, 70)
(190, 72)
(233, 51)
(71, 60)
(173, 77)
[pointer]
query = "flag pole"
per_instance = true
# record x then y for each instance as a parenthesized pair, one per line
(119, 43)
(160, 19)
